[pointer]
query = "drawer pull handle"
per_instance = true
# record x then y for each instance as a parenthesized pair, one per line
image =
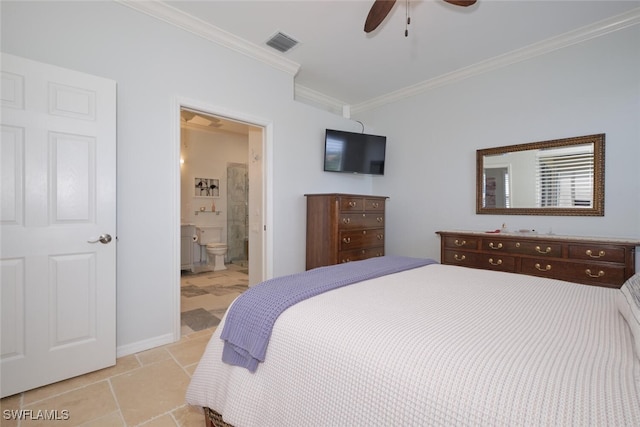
(499, 262)
(499, 246)
(346, 220)
(546, 268)
(346, 260)
(540, 251)
(346, 239)
(380, 236)
(379, 219)
(590, 254)
(459, 243)
(353, 204)
(459, 258)
(375, 204)
(595, 276)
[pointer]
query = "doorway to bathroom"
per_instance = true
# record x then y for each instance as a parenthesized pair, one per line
(221, 213)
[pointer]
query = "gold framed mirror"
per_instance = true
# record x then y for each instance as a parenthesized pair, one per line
(556, 177)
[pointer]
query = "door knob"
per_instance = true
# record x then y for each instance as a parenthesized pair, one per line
(104, 238)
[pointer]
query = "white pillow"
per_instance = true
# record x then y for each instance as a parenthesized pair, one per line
(628, 302)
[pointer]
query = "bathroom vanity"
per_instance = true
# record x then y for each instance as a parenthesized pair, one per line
(187, 239)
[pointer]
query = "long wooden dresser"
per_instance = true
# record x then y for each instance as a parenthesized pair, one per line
(343, 228)
(587, 260)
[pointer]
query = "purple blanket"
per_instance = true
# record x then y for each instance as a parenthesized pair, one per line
(250, 319)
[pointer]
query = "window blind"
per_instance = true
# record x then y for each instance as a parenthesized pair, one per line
(564, 179)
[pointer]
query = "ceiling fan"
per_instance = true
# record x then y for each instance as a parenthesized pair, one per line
(381, 9)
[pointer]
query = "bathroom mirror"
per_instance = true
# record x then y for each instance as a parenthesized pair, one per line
(557, 177)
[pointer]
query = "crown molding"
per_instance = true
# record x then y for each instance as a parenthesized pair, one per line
(173, 16)
(318, 99)
(176, 17)
(580, 35)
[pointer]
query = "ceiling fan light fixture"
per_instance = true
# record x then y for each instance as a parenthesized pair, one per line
(463, 3)
(381, 8)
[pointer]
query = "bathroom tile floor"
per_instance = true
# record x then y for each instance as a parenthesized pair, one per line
(146, 388)
(206, 296)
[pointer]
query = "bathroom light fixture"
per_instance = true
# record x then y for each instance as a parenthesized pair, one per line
(194, 118)
(199, 120)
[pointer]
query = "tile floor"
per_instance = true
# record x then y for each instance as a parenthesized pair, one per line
(147, 388)
(206, 296)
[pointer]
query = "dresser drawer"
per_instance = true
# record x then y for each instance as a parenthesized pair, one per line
(458, 257)
(351, 204)
(358, 254)
(547, 249)
(360, 220)
(590, 273)
(479, 260)
(597, 253)
(374, 205)
(461, 242)
(499, 262)
(358, 239)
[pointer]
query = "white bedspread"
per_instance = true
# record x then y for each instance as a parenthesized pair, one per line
(437, 345)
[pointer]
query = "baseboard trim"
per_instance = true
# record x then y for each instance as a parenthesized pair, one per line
(137, 347)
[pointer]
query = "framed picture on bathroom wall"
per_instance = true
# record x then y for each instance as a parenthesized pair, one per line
(206, 187)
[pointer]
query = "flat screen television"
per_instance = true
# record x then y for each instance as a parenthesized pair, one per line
(351, 152)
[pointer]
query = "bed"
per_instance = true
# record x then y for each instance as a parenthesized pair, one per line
(436, 345)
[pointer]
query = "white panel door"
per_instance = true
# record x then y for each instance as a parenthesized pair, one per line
(58, 219)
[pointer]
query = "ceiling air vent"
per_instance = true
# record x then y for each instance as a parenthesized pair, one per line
(281, 42)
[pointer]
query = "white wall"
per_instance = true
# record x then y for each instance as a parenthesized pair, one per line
(154, 64)
(590, 88)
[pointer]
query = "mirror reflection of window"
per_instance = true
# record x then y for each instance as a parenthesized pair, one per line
(564, 177)
(334, 153)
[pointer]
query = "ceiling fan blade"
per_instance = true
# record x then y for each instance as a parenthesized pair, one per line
(378, 12)
(464, 3)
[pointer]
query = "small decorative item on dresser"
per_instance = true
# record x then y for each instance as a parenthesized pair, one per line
(586, 260)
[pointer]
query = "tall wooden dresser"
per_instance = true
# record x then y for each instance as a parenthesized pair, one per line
(343, 228)
(587, 260)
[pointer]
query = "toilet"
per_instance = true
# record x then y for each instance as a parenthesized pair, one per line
(211, 238)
